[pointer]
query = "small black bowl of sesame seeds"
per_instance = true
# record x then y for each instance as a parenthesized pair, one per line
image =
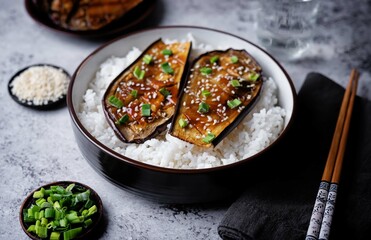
(40, 86)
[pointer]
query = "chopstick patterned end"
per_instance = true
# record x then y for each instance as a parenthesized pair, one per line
(318, 212)
(329, 211)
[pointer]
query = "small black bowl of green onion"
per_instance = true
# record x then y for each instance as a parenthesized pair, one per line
(61, 211)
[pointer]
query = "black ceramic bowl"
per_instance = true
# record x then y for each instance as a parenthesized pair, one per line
(166, 184)
(97, 217)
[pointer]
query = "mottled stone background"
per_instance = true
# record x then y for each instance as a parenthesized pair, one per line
(39, 147)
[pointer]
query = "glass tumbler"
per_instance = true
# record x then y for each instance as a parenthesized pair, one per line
(285, 27)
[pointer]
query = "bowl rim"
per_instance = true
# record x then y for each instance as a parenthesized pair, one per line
(133, 162)
(98, 203)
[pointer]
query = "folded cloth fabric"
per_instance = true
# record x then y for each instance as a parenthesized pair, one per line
(278, 201)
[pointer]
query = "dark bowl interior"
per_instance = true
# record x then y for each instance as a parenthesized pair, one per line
(96, 217)
(61, 102)
(131, 19)
(159, 183)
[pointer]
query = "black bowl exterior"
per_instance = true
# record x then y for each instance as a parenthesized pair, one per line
(168, 185)
(159, 184)
(97, 219)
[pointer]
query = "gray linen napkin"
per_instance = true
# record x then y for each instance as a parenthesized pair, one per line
(278, 202)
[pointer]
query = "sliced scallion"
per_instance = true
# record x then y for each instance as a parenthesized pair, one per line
(205, 93)
(147, 59)
(183, 123)
(235, 83)
(164, 92)
(124, 119)
(39, 194)
(203, 107)
(208, 138)
(88, 222)
(55, 236)
(214, 59)
(167, 52)
(166, 68)
(72, 233)
(138, 73)
(234, 59)
(64, 216)
(234, 103)
(146, 110)
(114, 101)
(253, 76)
(134, 93)
(206, 71)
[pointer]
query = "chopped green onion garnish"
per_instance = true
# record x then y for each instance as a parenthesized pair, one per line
(208, 138)
(31, 228)
(214, 59)
(63, 222)
(166, 68)
(138, 73)
(87, 222)
(41, 231)
(235, 83)
(234, 59)
(183, 123)
(124, 119)
(234, 103)
(203, 107)
(146, 110)
(40, 201)
(39, 194)
(93, 209)
(164, 92)
(147, 59)
(253, 76)
(167, 52)
(55, 235)
(114, 101)
(134, 93)
(65, 217)
(44, 221)
(205, 93)
(206, 71)
(49, 212)
(72, 233)
(70, 187)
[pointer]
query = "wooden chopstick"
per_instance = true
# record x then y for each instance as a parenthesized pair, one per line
(321, 218)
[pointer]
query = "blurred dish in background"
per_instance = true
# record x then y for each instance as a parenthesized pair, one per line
(95, 18)
(285, 27)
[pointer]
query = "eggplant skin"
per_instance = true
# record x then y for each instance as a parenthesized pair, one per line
(145, 93)
(219, 91)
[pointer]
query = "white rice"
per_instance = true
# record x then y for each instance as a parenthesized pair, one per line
(260, 127)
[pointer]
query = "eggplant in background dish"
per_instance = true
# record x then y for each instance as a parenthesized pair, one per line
(140, 101)
(85, 15)
(220, 90)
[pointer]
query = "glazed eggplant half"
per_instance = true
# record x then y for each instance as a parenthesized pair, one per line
(219, 91)
(140, 101)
